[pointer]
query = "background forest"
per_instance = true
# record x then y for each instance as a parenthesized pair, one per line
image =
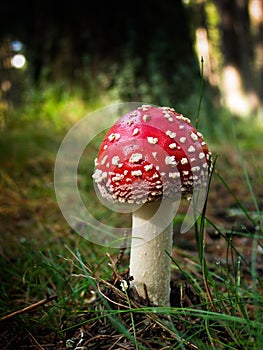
(62, 61)
(148, 51)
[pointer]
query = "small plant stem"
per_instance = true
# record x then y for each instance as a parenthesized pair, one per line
(200, 239)
(132, 319)
(204, 274)
(201, 93)
(39, 346)
(29, 308)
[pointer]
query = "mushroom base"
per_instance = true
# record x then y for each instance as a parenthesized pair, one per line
(151, 247)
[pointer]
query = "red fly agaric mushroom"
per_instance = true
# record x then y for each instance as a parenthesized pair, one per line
(151, 158)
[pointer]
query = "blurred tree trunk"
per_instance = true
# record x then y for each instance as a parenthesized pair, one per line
(238, 78)
(236, 37)
(256, 15)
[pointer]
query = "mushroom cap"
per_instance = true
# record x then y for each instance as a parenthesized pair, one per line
(151, 153)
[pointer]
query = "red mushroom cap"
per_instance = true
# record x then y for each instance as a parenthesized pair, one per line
(150, 153)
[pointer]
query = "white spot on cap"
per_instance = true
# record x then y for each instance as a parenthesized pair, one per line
(115, 160)
(172, 145)
(96, 163)
(182, 139)
(184, 161)
(104, 159)
(97, 175)
(117, 177)
(156, 193)
(114, 136)
(136, 173)
(105, 147)
(174, 175)
(170, 160)
(111, 137)
(171, 134)
(201, 155)
(148, 167)
(179, 117)
(154, 155)
(194, 136)
(135, 132)
(191, 149)
(152, 140)
(135, 158)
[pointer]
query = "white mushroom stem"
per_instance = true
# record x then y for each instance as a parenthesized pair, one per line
(152, 239)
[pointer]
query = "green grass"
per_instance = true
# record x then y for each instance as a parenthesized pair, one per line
(220, 298)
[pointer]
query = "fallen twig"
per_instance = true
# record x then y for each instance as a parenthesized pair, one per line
(29, 308)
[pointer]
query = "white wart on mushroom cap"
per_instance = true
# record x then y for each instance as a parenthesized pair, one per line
(151, 153)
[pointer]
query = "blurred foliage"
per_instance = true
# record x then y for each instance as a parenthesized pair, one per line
(78, 61)
(141, 52)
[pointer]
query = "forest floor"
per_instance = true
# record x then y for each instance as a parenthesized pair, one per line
(30, 222)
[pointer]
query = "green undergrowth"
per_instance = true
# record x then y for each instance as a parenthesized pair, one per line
(219, 298)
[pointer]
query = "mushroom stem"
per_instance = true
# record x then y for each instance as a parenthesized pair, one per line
(152, 239)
